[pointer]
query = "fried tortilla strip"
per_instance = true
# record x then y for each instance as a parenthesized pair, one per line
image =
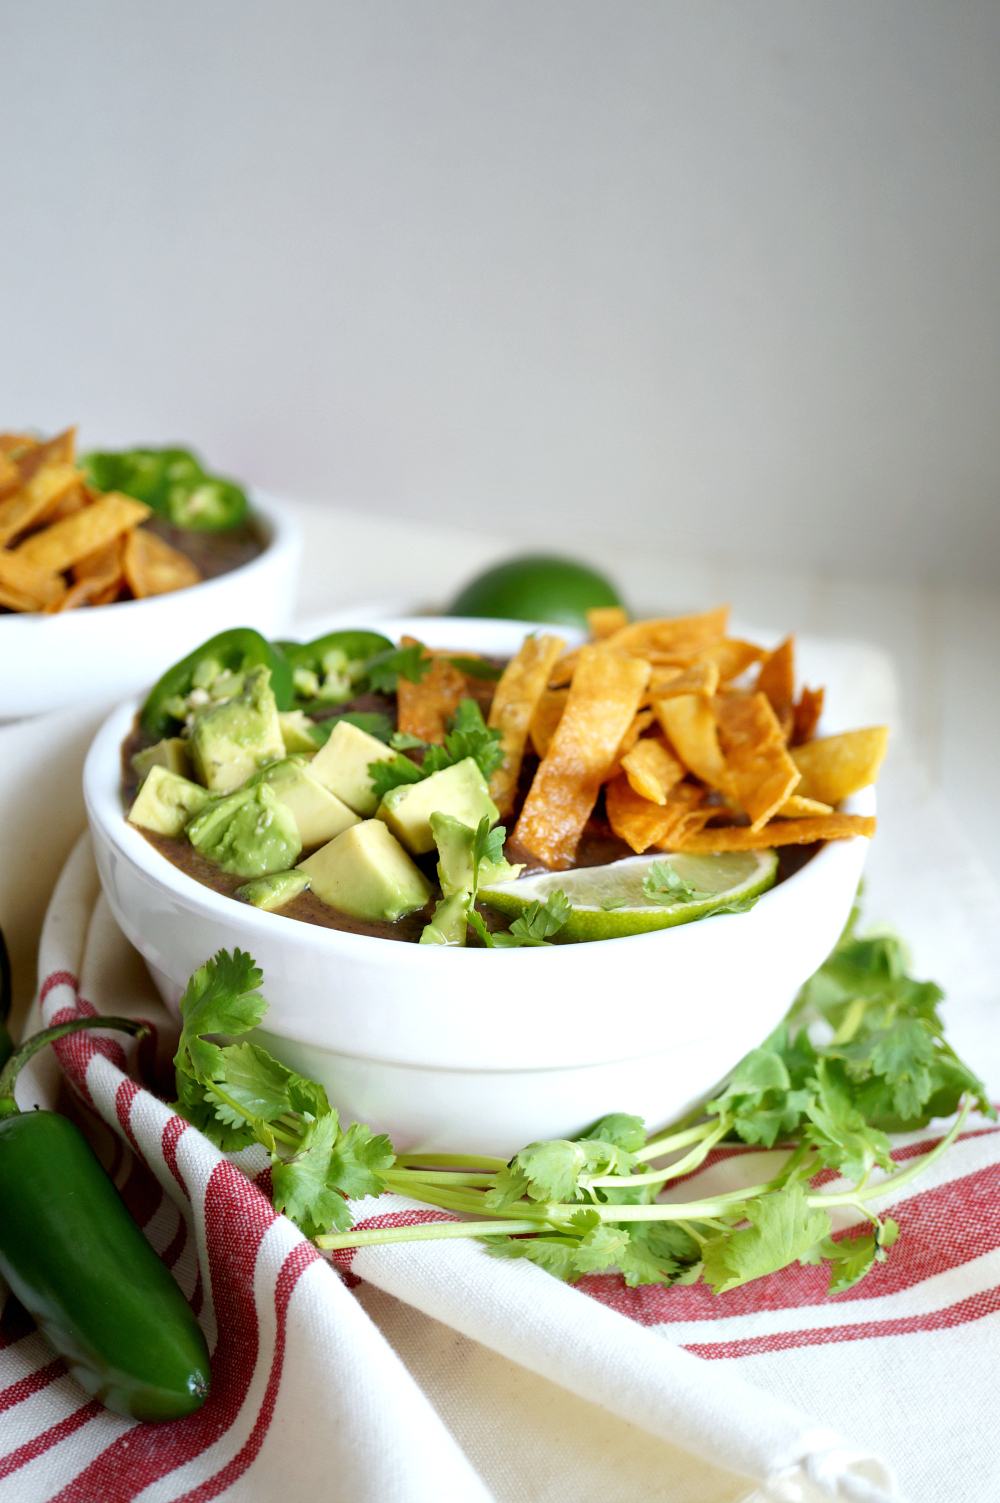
(548, 713)
(18, 443)
(797, 807)
(15, 601)
(58, 450)
(694, 737)
(97, 578)
(640, 722)
(514, 704)
(563, 670)
(703, 678)
(781, 832)
(776, 679)
(424, 708)
(605, 620)
(807, 713)
(603, 698)
(152, 567)
(834, 767)
(64, 543)
(37, 585)
(641, 823)
(10, 476)
(672, 638)
(732, 657)
(763, 774)
(37, 499)
(652, 770)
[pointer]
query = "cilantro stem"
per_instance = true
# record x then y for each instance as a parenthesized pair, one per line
(215, 1089)
(406, 1177)
(448, 1160)
(433, 1231)
(657, 1147)
(896, 1181)
(673, 1171)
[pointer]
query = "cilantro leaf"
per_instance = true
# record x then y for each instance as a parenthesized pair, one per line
(537, 923)
(196, 1106)
(468, 736)
(299, 1186)
(221, 997)
(384, 670)
(391, 772)
(782, 1230)
(357, 1160)
(477, 668)
(265, 1088)
(663, 885)
(619, 1128)
(557, 1255)
(403, 741)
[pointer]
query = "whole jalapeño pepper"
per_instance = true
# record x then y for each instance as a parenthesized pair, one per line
(81, 1267)
(238, 649)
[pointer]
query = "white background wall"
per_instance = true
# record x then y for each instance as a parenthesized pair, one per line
(720, 277)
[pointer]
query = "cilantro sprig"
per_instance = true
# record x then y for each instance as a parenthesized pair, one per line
(468, 736)
(664, 886)
(237, 1095)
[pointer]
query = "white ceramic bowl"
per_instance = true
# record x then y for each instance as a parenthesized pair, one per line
(485, 1050)
(52, 662)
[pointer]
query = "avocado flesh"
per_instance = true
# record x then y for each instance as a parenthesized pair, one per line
(365, 872)
(449, 926)
(273, 891)
(166, 802)
(171, 753)
(230, 741)
(460, 791)
(342, 766)
(248, 833)
(318, 814)
(295, 731)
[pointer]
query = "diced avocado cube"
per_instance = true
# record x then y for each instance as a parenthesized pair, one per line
(366, 872)
(273, 891)
(248, 833)
(171, 754)
(449, 926)
(318, 814)
(231, 740)
(460, 791)
(166, 802)
(454, 841)
(342, 766)
(295, 731)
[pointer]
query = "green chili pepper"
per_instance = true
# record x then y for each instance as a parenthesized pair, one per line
(330, 669)
(174, 483)
(81, 1267)
(356, 646)
(6, 997)
(236, 650)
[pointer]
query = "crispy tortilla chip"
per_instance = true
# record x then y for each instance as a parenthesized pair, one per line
(424, 708)
(652, 770)
(36, 500)
(152, 567)
(604, 620)
(514, 704)
(548, 713)
(15, 601)
(10, 476)
(672, 638)
(694, 737)
(836, 766)
(60, 546)
(781, 832)
(58, 450)
(807, 713)
(797, 807)
(732, 657)
(762, 772)
(38, 586)
(641, 721)
(776, 679)
(703, 678)
(604, 696)
(641, 823)
(563, 670)
(18, 443)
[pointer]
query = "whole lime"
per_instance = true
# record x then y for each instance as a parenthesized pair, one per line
(536, 587)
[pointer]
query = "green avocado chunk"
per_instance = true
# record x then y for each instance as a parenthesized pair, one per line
(449, 926)
(166, 802)
(295, 731)
(248, 833)
(273, 891)
(171, 753)
(366, 872)
(342, 766)
(317, 813)
(230, 741)
(461, 791)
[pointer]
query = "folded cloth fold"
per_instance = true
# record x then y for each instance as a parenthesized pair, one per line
(309, 1399)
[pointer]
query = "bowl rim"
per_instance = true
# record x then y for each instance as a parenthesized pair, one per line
(102, 795)
(281, 538)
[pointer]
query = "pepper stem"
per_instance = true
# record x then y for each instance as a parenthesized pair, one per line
(38, 1041)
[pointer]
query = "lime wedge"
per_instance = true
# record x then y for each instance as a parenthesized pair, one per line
(610, 901)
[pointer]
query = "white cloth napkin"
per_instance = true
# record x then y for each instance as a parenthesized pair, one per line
(309, 1399)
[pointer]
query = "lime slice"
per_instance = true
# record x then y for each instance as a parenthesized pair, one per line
(536, 588)
(609, 901)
